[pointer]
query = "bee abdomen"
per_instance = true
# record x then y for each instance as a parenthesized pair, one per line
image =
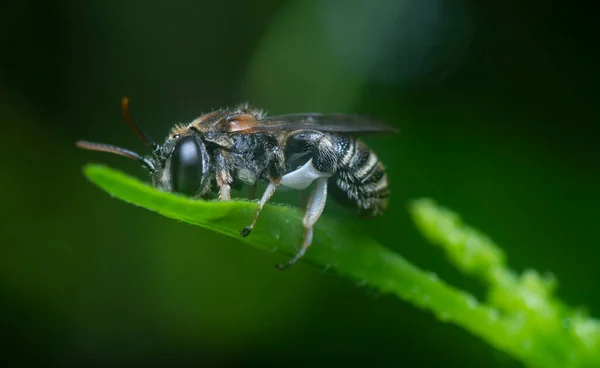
(360, 181)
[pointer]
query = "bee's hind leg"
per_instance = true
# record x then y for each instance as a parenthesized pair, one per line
(315, 207)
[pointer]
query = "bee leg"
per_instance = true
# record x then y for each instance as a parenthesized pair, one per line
(224, 178)
(316, 203)
(275, 168)
(224, 192)
(265, 198)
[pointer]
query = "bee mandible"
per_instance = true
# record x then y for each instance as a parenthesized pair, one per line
(228, 148)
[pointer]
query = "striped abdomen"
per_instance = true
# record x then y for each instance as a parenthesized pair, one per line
(360, 180)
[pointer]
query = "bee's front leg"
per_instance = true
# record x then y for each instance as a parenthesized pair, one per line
(223, 176)
(276, 168)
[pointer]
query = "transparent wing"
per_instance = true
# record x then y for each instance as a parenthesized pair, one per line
(340, 123)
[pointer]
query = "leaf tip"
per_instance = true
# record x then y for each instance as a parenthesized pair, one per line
(93, 170)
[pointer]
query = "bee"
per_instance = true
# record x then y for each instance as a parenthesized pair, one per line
(229, 148)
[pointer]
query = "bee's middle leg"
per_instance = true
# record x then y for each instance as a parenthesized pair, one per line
(275, 169)
(265, 198)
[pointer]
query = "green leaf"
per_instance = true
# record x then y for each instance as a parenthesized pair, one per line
(563, 338)
(543, 330)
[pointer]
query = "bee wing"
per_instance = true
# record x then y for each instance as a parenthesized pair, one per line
(335, 123)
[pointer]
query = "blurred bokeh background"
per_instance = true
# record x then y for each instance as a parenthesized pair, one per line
(497, 102)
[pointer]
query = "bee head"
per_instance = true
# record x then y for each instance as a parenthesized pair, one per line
(180, 165)
(185, 166)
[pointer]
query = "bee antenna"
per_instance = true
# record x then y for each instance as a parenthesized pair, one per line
(141, 134)
(116, 150)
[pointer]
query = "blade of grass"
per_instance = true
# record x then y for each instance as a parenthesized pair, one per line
(559, 335)
(341, 246)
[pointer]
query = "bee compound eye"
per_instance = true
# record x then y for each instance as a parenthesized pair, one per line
(186, 166)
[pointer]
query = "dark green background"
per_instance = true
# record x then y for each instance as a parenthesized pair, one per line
(498, 107)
